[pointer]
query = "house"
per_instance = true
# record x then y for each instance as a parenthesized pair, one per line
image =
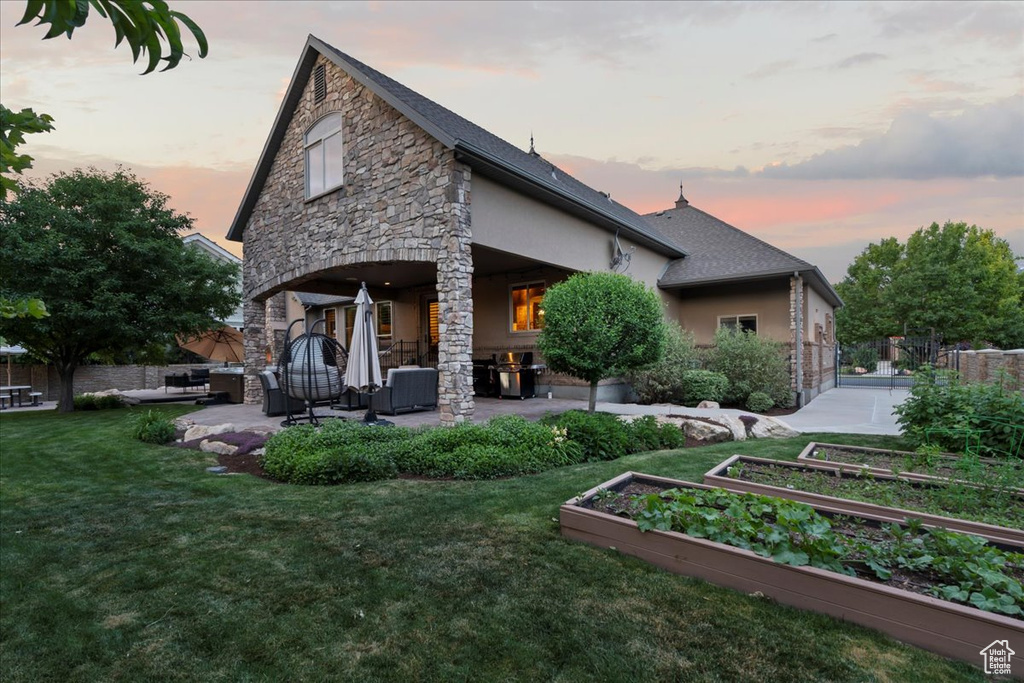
(219, 253)
(459, 233)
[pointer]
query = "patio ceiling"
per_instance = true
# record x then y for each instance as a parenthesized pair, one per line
(403, 275)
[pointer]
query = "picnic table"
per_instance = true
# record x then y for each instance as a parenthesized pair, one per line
(8, 394)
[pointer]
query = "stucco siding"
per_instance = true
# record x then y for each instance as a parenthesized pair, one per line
(699, 313)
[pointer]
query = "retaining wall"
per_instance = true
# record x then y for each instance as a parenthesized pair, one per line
(989, 365)
(90, 378)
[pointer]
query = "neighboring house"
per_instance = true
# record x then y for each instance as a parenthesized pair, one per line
(214, 250)
(459, 234)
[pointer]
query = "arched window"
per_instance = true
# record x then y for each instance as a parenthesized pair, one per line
(324, 156)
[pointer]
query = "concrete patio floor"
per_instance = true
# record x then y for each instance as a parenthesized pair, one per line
(853, 411)
(859, 410)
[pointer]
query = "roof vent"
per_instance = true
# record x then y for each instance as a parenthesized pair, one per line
(319, 84)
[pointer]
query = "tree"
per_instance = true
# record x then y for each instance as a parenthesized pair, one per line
(600, 325)
(867, 314)
(150, 29)
(104, 251)
(960, 281)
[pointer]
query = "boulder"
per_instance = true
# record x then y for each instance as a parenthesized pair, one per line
(709, 405)
(770, 428)
(125, 398)
(706, 431)
(203, 431)
(218, 447)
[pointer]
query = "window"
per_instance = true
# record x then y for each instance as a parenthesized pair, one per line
(350, 324)
(383, 319)
(323, 156)
(330, 323)
(527, 314)
(432, 326)
(744, 323)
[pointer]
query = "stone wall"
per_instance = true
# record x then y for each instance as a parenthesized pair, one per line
(404, 199)
(92, 378)
(991, 365)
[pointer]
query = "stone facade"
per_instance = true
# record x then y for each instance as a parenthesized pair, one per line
(404, 199)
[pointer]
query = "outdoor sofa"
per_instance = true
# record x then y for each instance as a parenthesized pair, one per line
(406, 390)
(184, 380)
(274, 400)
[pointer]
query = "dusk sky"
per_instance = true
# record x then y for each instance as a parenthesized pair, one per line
(818, 127)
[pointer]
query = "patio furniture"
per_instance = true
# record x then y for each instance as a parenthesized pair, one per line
(199, 377)
(310, 368)
(15, 392)
(274, 399)
(36, 396)
(4, 400)
(406, 390)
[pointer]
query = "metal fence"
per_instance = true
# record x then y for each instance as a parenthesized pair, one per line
(892, 362)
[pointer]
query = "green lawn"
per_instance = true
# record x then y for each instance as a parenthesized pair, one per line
(123, 561)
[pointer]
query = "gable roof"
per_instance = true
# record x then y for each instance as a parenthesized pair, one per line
(203, 242)
(481, 150)
(721, 253)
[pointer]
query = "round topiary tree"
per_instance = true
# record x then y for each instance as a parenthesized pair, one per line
(600, 325)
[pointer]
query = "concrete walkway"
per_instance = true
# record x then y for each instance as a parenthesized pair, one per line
(853, 410)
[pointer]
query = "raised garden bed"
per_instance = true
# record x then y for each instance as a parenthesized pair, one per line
(854, 492)
(908, 465)
(947, 628)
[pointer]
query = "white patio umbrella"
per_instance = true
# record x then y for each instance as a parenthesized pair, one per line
(10, 351)
(362, 374)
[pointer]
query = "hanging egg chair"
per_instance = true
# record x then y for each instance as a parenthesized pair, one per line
(311, 370)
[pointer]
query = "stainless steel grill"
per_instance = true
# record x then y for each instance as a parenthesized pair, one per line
(517, 374)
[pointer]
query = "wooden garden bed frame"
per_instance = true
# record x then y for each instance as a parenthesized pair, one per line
(943, 627)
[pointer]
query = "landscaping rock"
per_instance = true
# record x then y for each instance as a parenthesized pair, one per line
(218, 447)
(770, 428)
(710, 405)
(706, 431)
(203, 431)
(217, 469)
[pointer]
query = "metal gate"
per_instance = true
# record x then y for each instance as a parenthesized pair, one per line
(891, 363)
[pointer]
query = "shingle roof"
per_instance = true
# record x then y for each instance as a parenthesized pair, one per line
(482, 150)
(719, 253)
(310, 299)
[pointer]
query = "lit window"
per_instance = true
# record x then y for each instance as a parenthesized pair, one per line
(744, 323)
(350, 324)
(324, 156)
(527, 313)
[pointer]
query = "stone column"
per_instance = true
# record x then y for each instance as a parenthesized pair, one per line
(455, 308)
(255, 338)
(277, 325)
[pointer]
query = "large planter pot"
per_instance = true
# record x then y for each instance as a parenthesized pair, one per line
(718, 476)
(947, 628)
(808, 456)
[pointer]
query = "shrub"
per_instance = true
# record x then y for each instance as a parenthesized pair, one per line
(646, 434)
(335, 452)
(758, 402)
(151, 427)
(940, 409)
(703, 385)
(662, 382)
(94, 402)
(863, 357)
(602, 436)
(751, 363)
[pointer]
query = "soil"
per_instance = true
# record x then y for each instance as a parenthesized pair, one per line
(1001, 509)
(937, 466)
(627, 502)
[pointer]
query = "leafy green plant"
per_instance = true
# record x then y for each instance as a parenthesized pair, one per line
(664, 381)
(151, 427)
(93, 402)
(646, 434)
(941, 411)
(703, 385)
(758, 402)
(751, 363)
(600, 325)
(602, 436)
